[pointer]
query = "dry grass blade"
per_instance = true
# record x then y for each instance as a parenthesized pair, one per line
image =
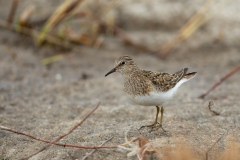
(60, 13)
(23, 20)
(110, 21)
(52, 59)
(196, 21)
(109, 7)
(64, 135)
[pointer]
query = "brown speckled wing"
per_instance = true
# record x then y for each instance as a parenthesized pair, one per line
(165, 81)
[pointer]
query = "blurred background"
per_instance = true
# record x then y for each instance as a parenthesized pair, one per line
(54, 55)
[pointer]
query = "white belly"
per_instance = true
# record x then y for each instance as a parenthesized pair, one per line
(156, 98)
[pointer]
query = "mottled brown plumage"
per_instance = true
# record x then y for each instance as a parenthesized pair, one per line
(164, 81)
(141, 82)
(147, 87)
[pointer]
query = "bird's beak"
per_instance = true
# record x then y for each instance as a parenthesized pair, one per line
(113, 70)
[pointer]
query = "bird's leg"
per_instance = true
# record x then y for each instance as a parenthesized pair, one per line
(160, 125)
(154, 125)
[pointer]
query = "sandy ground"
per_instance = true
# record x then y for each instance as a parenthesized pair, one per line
(46, 101)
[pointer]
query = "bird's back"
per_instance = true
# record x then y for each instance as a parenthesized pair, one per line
(154, 88)
(164, 81)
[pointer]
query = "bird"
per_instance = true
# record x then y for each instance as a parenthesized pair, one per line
(149, 88)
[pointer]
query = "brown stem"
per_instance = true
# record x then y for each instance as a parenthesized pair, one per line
(62, 136)
(212, 147)
(220, 81)
(94, 150)
(12, 11)
(55, 143)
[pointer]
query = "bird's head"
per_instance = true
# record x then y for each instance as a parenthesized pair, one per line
(122, 65)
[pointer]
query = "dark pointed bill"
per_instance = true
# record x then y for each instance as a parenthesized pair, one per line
(113, 70)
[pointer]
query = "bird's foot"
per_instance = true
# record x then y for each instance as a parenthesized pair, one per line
(155, 126)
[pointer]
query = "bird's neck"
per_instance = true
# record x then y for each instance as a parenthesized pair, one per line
(131, 70)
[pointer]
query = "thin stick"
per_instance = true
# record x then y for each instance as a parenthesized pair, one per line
(55, 143)
(12, 11)
(62, 136)
(94, 150)
(209, 107)
(212, 147)
(234, 70)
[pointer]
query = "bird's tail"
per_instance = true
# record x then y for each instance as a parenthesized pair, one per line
(183, 74)
(190, 75)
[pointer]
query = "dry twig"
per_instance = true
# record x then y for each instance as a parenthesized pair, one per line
(62, 136)
(229, 74)
(55, 143)
(212, 147)
(209, 107)
(94, 150)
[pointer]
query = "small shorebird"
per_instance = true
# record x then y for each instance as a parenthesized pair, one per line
(149, 88)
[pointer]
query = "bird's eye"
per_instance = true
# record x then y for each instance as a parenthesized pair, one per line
(123, 63)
